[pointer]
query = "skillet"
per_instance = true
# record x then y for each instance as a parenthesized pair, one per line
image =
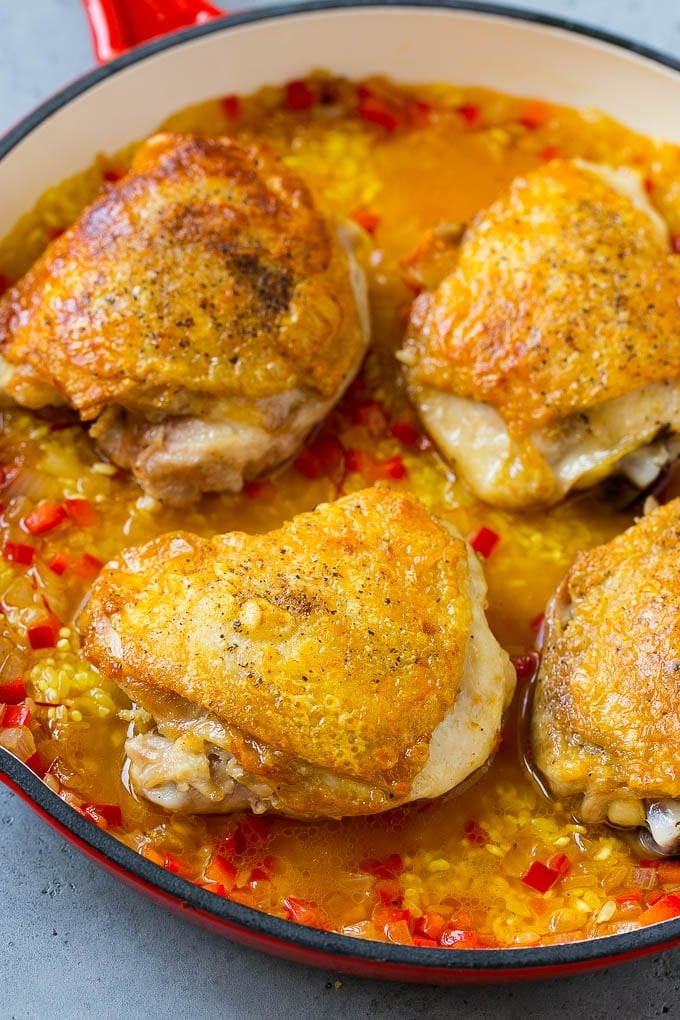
(206, 55)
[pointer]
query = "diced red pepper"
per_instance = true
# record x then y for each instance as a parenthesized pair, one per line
(549, 152)
(38, 765)
(391, 467)
(308, 464)
(666, 907)
(470, 113)
(430, 925)
(231, 106)
(302, 911)
(331, 454)
(526, 665)
(560, 863)
(398, 932)
(260, 874)
(103, 815)
(634, 896)
(419, 112)
(15, 715)
(371, 415)
(55, 232)
(405, 432)
(540, 877)
(675, 243)
(364, 463)
(485, 541)
(86, 566)
(59, 563)
(13, 692)
(367, 220)
(669, 871)
(44, 635)
(388, 867)
(299, 96)
(17, 552)
(375, 110)
(326, 456)
(476, 834)
(360, 461)
(113, 174)
(176, 866)
(5, 283)
(222, 871)
(214, 887)
(389, 892)
(534, 114)
(262, 489)
(44, 517)
(648, 185)
(383, 914)
(81, 512)
(461, 938)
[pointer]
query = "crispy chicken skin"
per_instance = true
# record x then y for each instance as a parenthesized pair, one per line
(606, 718)
(552, 351)
(201, 314)
(337, 666)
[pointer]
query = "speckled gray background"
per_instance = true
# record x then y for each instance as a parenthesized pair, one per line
(73, 942)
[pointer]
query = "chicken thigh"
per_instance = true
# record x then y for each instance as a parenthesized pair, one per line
(338, 666)
(550, 357)
(606, 717)
(201, 314)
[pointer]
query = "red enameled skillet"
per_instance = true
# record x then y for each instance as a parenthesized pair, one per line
(206, 54)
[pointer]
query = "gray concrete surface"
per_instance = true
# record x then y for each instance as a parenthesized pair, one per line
(76, 944)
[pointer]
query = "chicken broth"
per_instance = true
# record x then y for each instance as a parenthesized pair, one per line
(497, 864)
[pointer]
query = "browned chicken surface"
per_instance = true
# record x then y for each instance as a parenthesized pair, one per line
(606, 720)
(201, 314)
(552, 351)
(337, 666)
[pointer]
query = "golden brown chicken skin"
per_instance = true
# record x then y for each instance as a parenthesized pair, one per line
(606, 719)
(201, 313)
(337, 666)
(552, 351)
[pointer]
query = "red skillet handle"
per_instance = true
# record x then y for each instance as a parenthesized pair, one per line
(118, 25)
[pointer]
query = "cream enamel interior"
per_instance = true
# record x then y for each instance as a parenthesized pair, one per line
(410, 44)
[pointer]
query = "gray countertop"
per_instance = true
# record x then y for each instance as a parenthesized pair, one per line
(75, 943)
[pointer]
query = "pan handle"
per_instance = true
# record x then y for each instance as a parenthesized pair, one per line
(118, 25)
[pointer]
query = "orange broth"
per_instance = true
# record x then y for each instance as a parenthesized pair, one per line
(454, 872)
